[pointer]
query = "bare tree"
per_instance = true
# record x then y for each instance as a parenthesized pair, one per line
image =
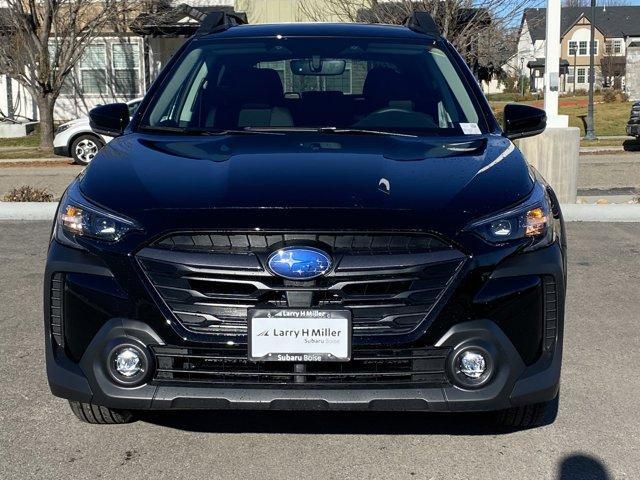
(576, 3)
(42, 40)
(482, 30)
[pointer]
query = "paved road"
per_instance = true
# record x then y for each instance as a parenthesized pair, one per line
(595, 437)
(54, 178)
(599, 175)
(610, 171)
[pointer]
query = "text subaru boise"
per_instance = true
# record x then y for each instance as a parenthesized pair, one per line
(309, 216)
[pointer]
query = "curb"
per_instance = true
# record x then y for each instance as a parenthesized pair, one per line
(7, 162)
(28, 211)
(601, 213)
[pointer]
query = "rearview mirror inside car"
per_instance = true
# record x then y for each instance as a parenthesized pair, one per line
(318, 66)
(110, 120)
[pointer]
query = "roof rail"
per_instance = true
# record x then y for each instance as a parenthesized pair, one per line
(218, 21)
(422, 22)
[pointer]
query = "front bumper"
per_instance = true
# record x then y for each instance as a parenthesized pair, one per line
(84, 378)
(512, 384)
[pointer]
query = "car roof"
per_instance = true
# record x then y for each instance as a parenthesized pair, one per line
(319, 30)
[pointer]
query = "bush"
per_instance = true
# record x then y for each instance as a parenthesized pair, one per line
(28, 194)
(609, 96)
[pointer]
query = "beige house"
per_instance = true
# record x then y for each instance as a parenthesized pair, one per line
(615, 29)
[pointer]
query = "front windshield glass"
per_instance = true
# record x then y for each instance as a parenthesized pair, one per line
(306, 83)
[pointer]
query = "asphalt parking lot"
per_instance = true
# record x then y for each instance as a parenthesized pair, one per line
(596, 435)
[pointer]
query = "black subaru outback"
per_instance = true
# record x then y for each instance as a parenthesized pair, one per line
(309, 216)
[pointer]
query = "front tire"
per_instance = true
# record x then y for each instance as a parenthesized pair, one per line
(84, 148)
(529, 416)
(97, 415)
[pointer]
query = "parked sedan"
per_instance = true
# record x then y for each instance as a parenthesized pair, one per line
(633, 127)
(76, 139)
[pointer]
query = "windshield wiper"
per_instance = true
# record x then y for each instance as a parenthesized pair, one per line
(329, 130)
(203, 131)
(360, 131)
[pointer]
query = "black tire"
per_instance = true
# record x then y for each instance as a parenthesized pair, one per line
(96, 415)
(84, 148)
(529, 416)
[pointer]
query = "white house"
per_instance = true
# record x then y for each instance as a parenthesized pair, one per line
(615, 29)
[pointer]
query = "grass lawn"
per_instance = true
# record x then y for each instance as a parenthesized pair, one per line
(32, 140)
(9, 153)
(610, 118)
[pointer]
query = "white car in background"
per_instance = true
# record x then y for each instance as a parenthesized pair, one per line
(75, 139)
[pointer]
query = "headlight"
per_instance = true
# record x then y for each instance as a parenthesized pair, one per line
(62, 128)
(78, 218)
(532, 219)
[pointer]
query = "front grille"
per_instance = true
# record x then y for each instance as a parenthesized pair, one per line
(423, 367)
(550, 312)
(336, 242)
(56, 308)
(390, 283)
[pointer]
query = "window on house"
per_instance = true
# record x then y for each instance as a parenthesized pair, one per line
(582, 47)
(93, 69)
(573, 47)
(595, 47)
(570, 74)
(125, 58)
(617, 47)
(582, 75)
(67, 84)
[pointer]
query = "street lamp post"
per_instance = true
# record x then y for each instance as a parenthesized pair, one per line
(522, 76)
(590, 134)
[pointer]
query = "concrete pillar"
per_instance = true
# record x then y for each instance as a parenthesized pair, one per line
(554, 154)
(632, 75)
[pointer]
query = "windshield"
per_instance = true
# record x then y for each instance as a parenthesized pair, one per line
(309, 83)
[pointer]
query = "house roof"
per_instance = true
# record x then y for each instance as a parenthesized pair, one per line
(611, 21)
(540, 63)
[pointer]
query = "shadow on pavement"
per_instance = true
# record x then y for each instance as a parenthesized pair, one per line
(361, 423)
(582, 467)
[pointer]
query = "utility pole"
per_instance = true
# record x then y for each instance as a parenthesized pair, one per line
(552, 66)
(590, 133)
(522, 77)
(575, 69)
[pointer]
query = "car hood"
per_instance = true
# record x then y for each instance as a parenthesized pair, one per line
(307, 181)
(77, 121)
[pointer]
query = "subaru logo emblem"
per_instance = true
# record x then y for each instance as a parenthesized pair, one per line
(299, 263)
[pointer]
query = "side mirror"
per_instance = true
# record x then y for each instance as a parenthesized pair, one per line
(522, 121)
(109, 120)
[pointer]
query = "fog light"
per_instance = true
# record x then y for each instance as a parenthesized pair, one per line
(128, 363)
(472, 364)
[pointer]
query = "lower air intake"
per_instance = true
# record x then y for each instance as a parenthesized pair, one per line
(377, 368)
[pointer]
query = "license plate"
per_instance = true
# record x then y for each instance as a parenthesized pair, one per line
(299, 335)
